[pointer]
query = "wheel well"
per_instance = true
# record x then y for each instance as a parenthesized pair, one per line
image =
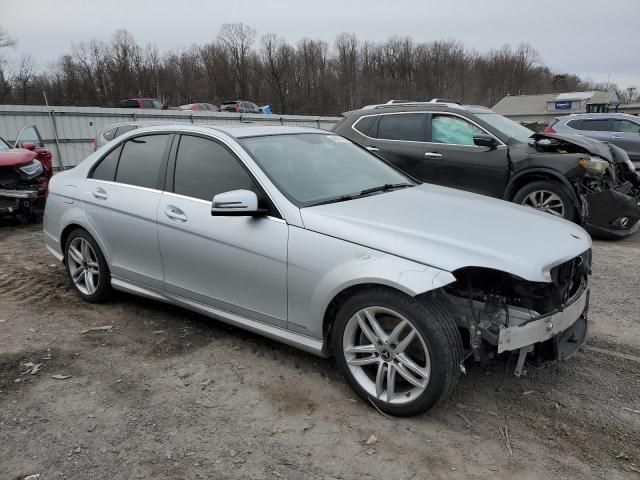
(65, 234)
(336, 302)
(531, 177)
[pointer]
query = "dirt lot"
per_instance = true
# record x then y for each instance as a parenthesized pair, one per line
(167, 394)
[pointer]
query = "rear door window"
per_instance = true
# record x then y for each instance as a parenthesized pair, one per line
(626, 126)
(453, 130)
(141, 160)
(595, 125)
(106, 169)
(410, 127)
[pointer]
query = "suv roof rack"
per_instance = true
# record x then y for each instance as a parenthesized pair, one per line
(406, 103)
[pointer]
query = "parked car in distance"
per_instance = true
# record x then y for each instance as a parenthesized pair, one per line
(305, 237)
(200, 107)
(240, 106)
(151, 103)
(618, 128)
(24, 175)
(473, 148)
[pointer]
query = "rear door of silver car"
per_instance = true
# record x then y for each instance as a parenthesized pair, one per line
(626, 135)
(235, 263)
(120, 201)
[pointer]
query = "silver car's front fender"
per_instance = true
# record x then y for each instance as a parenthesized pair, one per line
(320, 267)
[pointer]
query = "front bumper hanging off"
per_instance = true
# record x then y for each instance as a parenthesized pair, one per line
(612, 214)
(565, 331)
(13, 201)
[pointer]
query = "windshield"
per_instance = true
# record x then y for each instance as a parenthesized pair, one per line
(313, 168)
(506, 126)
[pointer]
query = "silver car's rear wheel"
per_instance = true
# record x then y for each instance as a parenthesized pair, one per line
(545, 201)
(87, 266)
(83, 265)
(386, 355)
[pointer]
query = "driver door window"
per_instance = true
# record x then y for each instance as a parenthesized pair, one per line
(452, 130)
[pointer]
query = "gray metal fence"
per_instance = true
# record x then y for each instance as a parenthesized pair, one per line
(68, 131)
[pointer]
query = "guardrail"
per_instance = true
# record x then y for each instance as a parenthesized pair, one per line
(69, 131)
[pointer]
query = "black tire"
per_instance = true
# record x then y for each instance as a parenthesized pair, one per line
(436, 327)
(103, 289)
(548, 186)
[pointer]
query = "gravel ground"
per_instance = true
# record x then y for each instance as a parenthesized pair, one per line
(168, 394)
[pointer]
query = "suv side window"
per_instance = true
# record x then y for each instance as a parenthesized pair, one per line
(626, 126)
(205, 168)
(595, 125)
(141, 160)
(410, 127)
(453, 130)
(106, 168)
(147, 104)
(364, 124)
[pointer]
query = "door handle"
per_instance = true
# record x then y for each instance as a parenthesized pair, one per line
(433, 155)
(616, 137)
(373, 149)
(175, 213)
(100, 193)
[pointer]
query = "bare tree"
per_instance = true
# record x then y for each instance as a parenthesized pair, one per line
(237, 39)
(23, 77)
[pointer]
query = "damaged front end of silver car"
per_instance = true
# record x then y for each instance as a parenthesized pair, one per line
(539, 322)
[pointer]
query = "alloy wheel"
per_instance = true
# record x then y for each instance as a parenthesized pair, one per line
(83, 265)
(386, 355)
(545, 201)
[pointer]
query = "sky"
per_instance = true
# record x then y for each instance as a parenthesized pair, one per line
(594, 39)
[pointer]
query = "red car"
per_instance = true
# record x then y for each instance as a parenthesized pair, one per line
(24, 175)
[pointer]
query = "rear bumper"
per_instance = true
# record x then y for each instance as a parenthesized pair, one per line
(566, 323)
(612, 214)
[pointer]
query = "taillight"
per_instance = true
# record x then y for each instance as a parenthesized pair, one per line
(549, 129)
(94, 145)
(238, 108)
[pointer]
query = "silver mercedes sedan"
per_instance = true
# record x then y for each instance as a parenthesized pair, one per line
(304, 237)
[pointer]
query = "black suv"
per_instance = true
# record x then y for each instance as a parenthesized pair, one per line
(475, 149)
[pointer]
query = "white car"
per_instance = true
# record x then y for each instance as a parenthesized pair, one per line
(307, 238)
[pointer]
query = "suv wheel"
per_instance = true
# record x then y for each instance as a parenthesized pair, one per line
(401, 354)
(546, 196)
(87, 267)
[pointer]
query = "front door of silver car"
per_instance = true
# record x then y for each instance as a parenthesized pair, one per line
(234, 263)
(120, 201)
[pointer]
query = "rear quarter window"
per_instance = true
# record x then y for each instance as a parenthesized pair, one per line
(364, 124)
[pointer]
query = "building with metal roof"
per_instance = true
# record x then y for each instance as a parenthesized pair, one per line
(542, 108)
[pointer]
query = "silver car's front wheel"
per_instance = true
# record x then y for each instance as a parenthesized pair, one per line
(87, 266)
(386, 355)
(400, 353)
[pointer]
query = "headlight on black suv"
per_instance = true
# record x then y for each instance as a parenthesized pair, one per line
(594, 166)
(31, 170)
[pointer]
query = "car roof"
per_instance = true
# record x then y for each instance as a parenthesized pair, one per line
(237, 131)
(418, 107)
(600, 114)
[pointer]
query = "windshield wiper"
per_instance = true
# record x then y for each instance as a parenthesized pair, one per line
(341, 198)
(384, 188)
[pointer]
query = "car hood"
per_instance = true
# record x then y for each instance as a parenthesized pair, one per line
(450, 229)
(16, 157)
(594, 147)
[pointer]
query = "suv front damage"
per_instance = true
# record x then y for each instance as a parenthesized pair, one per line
(609, 187)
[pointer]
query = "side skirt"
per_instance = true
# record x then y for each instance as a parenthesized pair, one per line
(293, 339)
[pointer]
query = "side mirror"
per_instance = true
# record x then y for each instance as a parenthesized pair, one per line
(485, 141)
(28, 146)
(236, 203)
